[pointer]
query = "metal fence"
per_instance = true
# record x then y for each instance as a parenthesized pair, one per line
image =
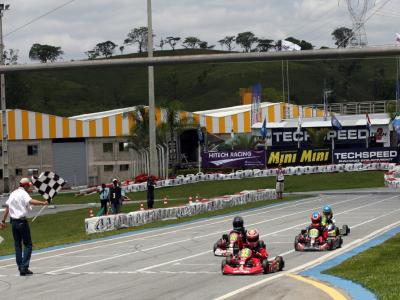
(356, 108)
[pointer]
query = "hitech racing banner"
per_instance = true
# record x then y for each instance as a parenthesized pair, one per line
(345, 156)
(234, 159)
(299, 157)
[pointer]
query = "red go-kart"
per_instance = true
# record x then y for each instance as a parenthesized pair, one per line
(312, 241)
(246, 264)
(229, 244)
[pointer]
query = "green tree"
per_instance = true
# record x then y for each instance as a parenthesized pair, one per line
(265, 45)
(227, 41)
(45, 53)
(138, 36)
(191, 42)
(302, 43)
(105, 49)
(246, 40)
(172, 41)
(342, 36)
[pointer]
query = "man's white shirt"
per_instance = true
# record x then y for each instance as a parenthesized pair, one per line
(18, 203)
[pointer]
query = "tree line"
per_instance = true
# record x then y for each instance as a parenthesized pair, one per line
(247, 41)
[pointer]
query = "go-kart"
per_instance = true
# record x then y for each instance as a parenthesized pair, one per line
(334, 230)
(229, 244)
(245, 264)
(312, 241)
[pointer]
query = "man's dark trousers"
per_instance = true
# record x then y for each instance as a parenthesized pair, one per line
(22, 234)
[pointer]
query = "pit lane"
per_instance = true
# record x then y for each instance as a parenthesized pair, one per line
(177, 262)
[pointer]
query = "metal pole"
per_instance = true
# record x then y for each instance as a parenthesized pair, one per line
(288, 91)
(199, 153)
(152, 113)
(283, 83)
(4, 141)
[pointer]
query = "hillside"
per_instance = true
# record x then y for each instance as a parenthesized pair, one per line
(200, 86)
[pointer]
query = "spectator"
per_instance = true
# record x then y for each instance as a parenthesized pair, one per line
(104, 198)
(150, 192)
(280, 182)
(115, 197)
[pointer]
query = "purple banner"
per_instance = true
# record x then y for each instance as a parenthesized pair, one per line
(234, 159)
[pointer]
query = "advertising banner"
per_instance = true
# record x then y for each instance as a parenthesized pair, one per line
(299, 157)
(286, 137)
(234, 159)
(345, 156)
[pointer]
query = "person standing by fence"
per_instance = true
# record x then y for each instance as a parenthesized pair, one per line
(115, 197)
(104, 195)
(150, 192)
(280, 182)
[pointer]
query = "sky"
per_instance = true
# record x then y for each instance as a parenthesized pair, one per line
(81, 24)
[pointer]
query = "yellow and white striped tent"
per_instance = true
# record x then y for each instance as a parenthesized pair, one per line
(28, 125)
(238, 118)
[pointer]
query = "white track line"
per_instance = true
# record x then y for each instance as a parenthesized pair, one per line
(307, 265)
(135, 238)
(208, 251)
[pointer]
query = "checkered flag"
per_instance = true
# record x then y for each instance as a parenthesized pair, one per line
(48, 184)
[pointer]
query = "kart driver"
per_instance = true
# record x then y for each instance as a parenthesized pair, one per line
(238, 226)
(255, 245)
(316, 223)
(328, 219)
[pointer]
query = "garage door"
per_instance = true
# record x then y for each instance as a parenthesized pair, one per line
(69, 160)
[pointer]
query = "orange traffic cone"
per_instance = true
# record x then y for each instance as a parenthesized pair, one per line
(141, 206)
(91, 214)
(165, 200)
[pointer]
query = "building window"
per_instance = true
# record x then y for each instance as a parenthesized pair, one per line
(123, 146)
(108, 168)
(33, 172)
(18, 172)
(1, 150)
(33, 149)
(123, 167)
(1, 173)
(107, 147)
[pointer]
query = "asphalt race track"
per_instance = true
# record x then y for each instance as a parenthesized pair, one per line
(177, 262)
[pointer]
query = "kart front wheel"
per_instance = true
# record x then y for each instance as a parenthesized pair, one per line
(280, 262)
(215, 247)
(265, 266)
(345, 229)
(223, 263)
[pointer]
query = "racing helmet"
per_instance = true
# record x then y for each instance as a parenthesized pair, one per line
(327, 211)
(253, 238)
(316, 219)
(237, 223)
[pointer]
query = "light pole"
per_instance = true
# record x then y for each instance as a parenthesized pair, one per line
(152, 114)
(326, 95)
(4, 144)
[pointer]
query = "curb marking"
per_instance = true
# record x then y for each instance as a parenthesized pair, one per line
(333, 293)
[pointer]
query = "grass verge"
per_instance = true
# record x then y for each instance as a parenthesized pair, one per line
(303, 183)
(68, 227)
(376, 269)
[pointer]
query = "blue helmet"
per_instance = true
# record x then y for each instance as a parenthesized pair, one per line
(327, 210)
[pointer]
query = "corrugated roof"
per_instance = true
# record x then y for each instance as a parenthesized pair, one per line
(345, 120)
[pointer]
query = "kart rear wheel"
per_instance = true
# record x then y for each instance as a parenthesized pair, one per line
(228, 260)
(280, 262)
(296, 241)
(345, 229)
(265, 266)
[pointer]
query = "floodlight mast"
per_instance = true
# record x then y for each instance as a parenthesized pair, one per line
(4, 140)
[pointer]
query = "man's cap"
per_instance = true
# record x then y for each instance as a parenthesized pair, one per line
(25, 182)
